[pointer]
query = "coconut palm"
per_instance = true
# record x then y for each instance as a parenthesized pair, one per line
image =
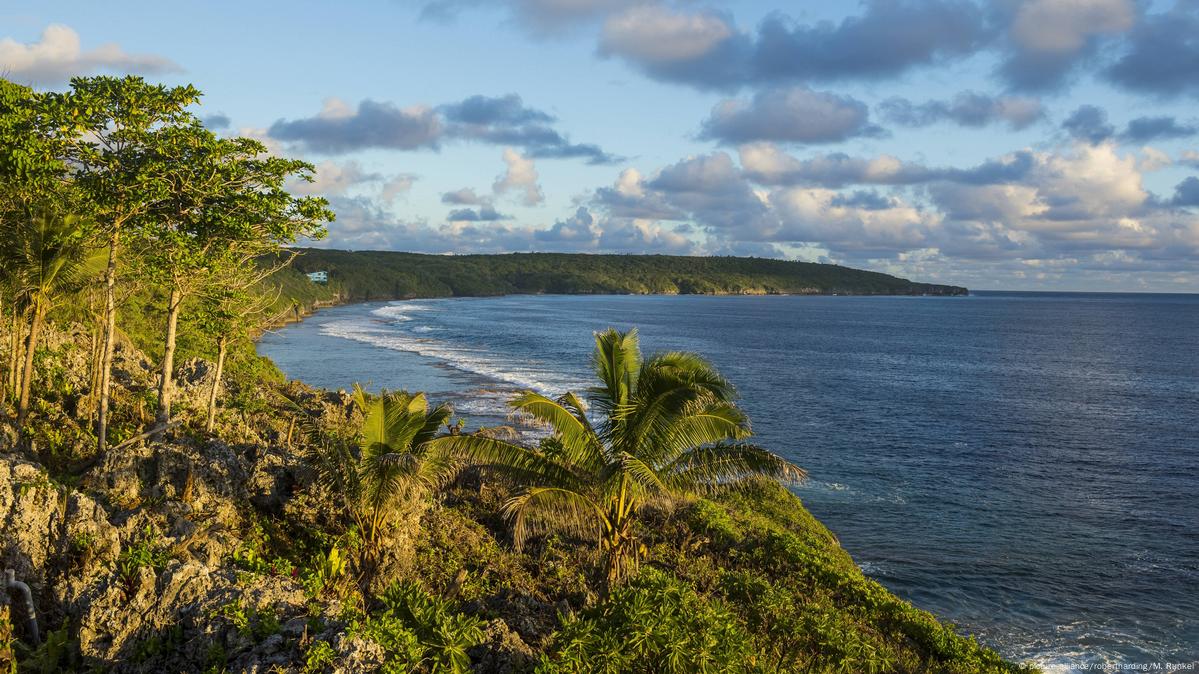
(664, 427)
(43, 253)
(391, 465)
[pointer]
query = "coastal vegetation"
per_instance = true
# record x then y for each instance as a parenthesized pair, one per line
(378, 275)
(669, 428)
(175, 504)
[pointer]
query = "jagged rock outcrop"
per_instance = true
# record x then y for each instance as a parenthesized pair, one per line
(52, 536)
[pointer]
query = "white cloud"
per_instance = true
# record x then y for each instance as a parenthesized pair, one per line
(59, 55)
(1063, 26)
(655, 34)
(333, 178)
(520, 176)
(794, 115)
(397, 186)
(1153, 159)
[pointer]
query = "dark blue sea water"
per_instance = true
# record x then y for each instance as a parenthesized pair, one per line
(1024, 465)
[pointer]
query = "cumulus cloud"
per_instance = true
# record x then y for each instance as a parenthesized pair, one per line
(1145, 129)
(538, 17)
(766, 164)
(1186, 193)
(705, 49)
(580, 229)
(502, 120)
(1048, 38)
(338, 130)
(339, 178)
(886, 39)
(1083, 202)
(713, 187)
(397, 186)
(505, 120)
(1090, 123)
(653, 34)
(628, 198)
(217, 121)
(967, 108)
(793, 115)
(1162, 56)
(486, 213)
(363, 225)
(464, 197)
(486, 111)
(59, 55)
(334, 178)
(521, 177)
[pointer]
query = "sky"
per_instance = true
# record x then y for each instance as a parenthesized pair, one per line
(1002, 144)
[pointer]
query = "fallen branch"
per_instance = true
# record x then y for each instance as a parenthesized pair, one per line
(150, 433)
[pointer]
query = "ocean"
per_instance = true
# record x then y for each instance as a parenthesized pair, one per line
(1024, 465)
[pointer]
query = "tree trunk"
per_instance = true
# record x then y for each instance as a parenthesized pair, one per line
(166, 381)
(14, 341)
(221, 349)
(93, 359)
(35, 326)
(5, 396)
(110, 336)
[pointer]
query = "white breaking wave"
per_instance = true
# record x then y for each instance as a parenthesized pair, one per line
(467, 359)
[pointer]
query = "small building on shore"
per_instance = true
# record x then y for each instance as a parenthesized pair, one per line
(321, 277)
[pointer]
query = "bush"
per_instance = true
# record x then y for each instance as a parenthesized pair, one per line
(421, 632)
(656, 623)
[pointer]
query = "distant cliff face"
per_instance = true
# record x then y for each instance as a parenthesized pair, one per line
(384, 275)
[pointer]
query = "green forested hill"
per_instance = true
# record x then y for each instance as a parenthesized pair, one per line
(382, 275)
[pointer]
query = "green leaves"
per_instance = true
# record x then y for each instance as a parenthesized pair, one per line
(41, 251)
(668, 427)
(654, 624)
(394, 459)
(422, 632)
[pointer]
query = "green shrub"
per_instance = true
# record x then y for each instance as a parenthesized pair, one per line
(327, 570)
(319, 656)
(711, 519)
(421, 632)
(656, 623)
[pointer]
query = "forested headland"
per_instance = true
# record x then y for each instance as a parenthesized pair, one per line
(375, 275)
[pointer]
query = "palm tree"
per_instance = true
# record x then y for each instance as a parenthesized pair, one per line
(665, 427)
(43, 252)
(389, 468)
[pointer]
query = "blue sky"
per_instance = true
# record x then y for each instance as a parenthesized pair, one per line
(1027, 144)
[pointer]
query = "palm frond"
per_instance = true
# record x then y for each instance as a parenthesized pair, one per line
(539, 510)
(701, 423)
(702, 469)
(520, 464)
(570, 427)
(617, 363)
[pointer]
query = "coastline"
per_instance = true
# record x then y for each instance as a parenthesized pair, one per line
(857, 567)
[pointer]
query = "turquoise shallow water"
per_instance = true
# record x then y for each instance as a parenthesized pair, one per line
(1024, 465)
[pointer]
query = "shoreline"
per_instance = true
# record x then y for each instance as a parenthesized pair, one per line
(287, 317)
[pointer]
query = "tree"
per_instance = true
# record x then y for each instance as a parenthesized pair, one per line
(112, 126)
(231, 308)
(393, 464)
(224, 207)
(668, 427)
(42, 252)
(32, 170)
